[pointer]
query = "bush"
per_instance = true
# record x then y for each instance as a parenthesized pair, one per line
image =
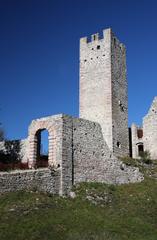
(11, 152)
(145, 157)
(129, 161)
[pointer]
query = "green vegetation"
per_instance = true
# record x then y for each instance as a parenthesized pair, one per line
(145, 156)
(146, 165)
(98, 212)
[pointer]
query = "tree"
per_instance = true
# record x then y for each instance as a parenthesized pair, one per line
(1, 134)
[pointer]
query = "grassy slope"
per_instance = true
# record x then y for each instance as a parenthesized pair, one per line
(112, 212)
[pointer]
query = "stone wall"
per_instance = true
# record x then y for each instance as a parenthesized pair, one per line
(41, 179)
(150, 130)
(54, 125)
(136, 141)
(93, 160)
(60, 146)
(58, 178)
(82, 155)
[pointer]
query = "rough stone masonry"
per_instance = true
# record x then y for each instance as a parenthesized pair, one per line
(78, 154)
(86, 148)
(147, 139)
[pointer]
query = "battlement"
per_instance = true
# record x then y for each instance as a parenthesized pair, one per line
(96, 37)
(107, 36)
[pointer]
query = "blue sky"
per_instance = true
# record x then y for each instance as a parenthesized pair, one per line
(39, 55)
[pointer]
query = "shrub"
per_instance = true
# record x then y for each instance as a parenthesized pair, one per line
(145, 157)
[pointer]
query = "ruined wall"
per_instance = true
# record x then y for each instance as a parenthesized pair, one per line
(136, 140)
(150, 130)
(81, 155)
(56, 179)
(60, 146)
(103, 88)
(92, 159)
(41, 179)
(54, 125)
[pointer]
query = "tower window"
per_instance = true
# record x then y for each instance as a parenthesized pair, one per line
(98, 47)
(121, 106)
(118, 144)
(139, 133)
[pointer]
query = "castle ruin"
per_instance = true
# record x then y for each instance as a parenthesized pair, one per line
(145, 138)
(88, 148)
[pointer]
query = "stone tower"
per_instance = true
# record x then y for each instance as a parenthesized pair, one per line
(103, 88)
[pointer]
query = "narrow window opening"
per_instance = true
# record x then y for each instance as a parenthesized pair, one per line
(118, 144)
(121, 106)
(98, 47)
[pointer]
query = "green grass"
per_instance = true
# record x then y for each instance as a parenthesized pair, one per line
(99, 212)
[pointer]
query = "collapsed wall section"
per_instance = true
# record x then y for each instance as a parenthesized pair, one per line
(82, 155)
(93, 160)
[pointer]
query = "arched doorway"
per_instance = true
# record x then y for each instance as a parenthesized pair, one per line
(140, 149)
(42, 136)
(37, 156)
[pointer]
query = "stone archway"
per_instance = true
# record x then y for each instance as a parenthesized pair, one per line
(35, 127)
